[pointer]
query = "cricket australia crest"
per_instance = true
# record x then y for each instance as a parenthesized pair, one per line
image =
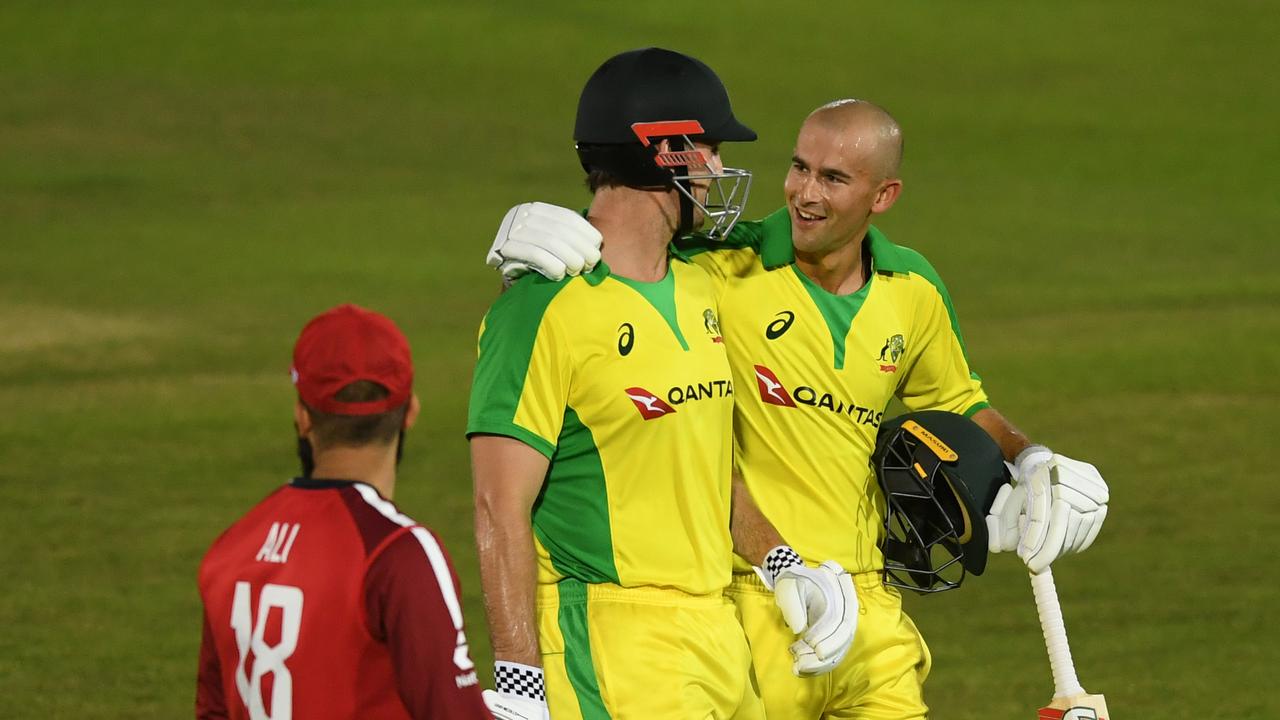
(712, 325)
(894, 347)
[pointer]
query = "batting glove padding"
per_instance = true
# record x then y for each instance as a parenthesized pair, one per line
(548, 239)
(1057, 507)
(520, 695)
(807, 663)
(818, 604)
(1007, 519)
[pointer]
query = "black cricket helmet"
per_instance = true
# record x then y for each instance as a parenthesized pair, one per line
(939, 472)
(638, 99)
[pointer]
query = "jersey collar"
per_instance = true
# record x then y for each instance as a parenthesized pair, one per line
(777, 251)
(328, 484)
(319, 484)
(885, 256)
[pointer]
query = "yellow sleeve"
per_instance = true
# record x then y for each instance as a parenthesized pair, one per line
(937, 375)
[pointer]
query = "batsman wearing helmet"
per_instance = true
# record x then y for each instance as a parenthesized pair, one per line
(601, 438)
(825, 321)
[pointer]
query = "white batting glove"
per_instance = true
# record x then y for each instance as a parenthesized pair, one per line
(1007, 519)
(819, 604)
(521, 693)
(807, 663)
(1056, 508)
(548, 239)
(504, 707)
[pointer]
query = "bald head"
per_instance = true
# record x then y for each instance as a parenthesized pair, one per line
(869, 127)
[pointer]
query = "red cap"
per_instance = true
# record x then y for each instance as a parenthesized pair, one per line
(346, 344)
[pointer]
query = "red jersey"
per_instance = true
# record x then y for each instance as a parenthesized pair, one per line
(325, 601)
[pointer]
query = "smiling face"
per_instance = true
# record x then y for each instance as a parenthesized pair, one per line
(844, 170)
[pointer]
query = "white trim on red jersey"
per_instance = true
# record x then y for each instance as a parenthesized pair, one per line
(429, 545)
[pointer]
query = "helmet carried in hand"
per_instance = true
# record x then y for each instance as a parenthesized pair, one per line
(939, 473)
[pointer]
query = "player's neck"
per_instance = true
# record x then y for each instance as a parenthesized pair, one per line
(637, 227)
(839, 272)
(371, 464)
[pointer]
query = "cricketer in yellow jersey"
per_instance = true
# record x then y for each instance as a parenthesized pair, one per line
(825, 320)
(601, 435)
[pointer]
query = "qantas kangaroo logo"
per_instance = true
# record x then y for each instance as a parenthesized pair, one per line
(649, 405)
(771, 390)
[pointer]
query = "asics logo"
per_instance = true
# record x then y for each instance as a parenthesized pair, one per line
(775, 329)
(626, 339)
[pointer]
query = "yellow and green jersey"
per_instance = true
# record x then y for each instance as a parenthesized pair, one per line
(815, 371)
(625, 386)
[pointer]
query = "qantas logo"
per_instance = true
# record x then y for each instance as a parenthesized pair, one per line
(649, 405)
(771, 390)
(773, 393)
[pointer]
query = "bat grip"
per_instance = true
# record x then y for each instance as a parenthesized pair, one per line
(1065, 682)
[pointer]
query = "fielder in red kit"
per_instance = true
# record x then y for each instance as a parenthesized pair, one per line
(325, 601)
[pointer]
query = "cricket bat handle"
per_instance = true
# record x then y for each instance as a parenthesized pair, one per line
(1065, 682)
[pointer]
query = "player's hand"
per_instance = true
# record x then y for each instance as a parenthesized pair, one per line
(520, 695)
(818, 604)
(1007, 518)
(548, 239)
(511, 707)
(807, 664)
(1006, 521)
(1065, 507)
(1056, 508)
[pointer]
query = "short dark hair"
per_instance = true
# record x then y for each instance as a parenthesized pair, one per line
(598, 179)
(358, 430)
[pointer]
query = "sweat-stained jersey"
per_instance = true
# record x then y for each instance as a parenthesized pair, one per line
(814, 373)
(324, 601)
(626, 388)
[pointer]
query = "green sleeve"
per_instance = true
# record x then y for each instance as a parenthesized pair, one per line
(745, 235)
(520, 385)
(750, 245)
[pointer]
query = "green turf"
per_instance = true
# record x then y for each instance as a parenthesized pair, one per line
(183, 184)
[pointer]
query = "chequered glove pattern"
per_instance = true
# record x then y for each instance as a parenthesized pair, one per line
(779, 558)
(519, 680)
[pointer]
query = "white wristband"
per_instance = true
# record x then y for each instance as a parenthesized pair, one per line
(1031, 456)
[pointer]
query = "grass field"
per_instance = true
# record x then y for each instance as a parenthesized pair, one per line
(182, 185)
